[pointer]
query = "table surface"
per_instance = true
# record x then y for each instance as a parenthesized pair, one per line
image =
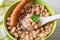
(56, 6)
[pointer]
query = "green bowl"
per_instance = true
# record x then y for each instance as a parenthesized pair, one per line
(9, 11)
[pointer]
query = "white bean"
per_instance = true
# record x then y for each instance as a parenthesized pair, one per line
(27, 37)
(36, 26)
(19, 32)
(51, 25)
(31, 38)
(41, 28)
(38, 38)
(33, 23)
(9, 28)
(13, 29)
(23, 36)
(8, 23)
(42, 34)
(30, 20)
(38, 31)
(16, 35)
(38, 10)
(8, 18)
(27, 32)
(18, 28)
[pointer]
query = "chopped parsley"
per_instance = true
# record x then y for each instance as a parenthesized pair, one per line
(35, 18)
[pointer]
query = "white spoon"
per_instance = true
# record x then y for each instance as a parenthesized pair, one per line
(44, 20)
(48, 19)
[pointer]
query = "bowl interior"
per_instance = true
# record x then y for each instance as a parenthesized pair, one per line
(9, 11)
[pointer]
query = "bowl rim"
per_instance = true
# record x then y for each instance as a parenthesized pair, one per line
(49, 7)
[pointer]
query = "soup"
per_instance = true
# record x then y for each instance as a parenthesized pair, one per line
(22, 33)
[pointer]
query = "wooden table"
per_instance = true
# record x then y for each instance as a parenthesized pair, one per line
(56, 6)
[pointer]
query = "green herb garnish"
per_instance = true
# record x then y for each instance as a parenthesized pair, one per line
(35, 18)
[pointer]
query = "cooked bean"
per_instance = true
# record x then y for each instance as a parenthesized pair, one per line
(48, 30)
(23, 36)
(34, 34)
(35, 26)
(13, 29)
(38, 10)
(27, 32)
(27, 37)
(42, 34)
(30, 20)
(16, 35)
(8, 23)
(19, 32)
(17, 24)
(42, 7)
(8, 18)
(9, 28)
(23, 28)
(45, 10)
(38, 31)
(47, 14)
(23, 39)
(31, 37)
(38, 38)
(18, 28)
(41, 29)
(47, 26)
(33, 23)
(51, 25)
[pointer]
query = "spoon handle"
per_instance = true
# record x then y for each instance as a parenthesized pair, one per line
(48, 19)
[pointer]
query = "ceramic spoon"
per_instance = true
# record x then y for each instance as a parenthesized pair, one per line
(49, 19)
(45, 20)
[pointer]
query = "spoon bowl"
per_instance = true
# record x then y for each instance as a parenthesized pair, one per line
(49, 19)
